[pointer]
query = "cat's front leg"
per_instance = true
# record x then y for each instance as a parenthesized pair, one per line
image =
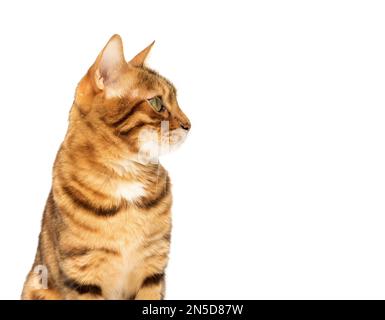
(80, 289)
(152, 288)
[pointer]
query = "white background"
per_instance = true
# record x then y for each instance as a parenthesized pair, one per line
(279, 189)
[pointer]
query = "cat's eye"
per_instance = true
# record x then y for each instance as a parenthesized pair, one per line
(156, 103)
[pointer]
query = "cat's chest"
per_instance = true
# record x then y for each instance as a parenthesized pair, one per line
(128, 191)
(133, 230)
(132, 233)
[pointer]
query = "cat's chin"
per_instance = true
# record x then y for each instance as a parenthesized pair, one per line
(150, 150)
(177, 138)
(152, 146)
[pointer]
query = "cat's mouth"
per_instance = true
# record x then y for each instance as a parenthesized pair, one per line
(152, 145)
(177, 137)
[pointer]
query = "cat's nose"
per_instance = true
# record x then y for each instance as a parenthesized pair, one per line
(185, 125)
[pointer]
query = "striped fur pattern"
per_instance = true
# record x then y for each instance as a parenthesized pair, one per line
(106, 225)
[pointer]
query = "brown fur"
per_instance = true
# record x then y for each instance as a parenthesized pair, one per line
(106, 225)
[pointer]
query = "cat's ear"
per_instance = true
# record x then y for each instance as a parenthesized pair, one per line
(140, 58)
(109, 64)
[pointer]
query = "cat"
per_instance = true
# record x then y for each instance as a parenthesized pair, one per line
(106, 225)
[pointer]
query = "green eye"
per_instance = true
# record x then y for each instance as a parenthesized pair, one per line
(156, 103)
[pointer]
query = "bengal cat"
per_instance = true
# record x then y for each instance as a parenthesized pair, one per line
(106, 225)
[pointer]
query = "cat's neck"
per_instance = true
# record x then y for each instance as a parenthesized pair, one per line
(115, 178)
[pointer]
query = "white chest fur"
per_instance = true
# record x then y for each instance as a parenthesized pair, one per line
(129, 191)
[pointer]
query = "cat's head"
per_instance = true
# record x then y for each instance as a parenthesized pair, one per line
(129, 107)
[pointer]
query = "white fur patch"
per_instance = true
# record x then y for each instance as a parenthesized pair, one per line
(149, 146)
(124, 166)
(153, 145)
(177, 137)
(130, 191)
